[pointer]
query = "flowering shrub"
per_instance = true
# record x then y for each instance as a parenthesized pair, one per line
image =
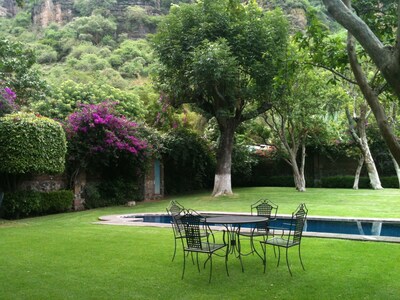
(7, 101)
(97, 135)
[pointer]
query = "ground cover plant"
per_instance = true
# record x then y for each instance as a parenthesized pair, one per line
(66, 256)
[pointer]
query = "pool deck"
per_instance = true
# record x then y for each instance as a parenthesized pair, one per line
(131, 220)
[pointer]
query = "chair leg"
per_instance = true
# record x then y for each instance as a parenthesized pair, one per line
(173, 257)
(279, 256)
(287, 261)
(209, 280)
(301, 261)
(184, 264)
(197, 261)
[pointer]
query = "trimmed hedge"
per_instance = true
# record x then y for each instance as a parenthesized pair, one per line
(31, 203)
(326, 182)
(31, 144)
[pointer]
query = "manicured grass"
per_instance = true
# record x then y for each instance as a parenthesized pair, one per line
(67, 257)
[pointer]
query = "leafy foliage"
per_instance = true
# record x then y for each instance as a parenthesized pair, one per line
(67, 97)
(31, 144)
(97, 135)
(115, 191)
(16, 72)
(219, 55)
(188, 161)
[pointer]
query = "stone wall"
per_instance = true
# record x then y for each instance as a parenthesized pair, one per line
(44, 183)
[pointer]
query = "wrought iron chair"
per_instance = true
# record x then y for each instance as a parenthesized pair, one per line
(176, 210)
(195, 242)
(291, 236)
(263, 208)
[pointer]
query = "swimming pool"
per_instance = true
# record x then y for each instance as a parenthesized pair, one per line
(372, 229)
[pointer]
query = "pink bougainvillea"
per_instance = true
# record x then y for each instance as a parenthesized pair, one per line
(96, 131)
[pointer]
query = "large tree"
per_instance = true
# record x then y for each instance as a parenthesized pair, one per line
(379, 35)
(221, 56)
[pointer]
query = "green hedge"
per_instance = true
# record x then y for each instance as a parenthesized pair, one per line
(390, 182)
(326, 182)
(31, 144)
(30, 203)
(111, 192)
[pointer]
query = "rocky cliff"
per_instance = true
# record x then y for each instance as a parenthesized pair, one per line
(8, 8)
(53, 11)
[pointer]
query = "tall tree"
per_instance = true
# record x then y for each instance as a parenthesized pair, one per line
(297, 116)
(221, 56)
(379, 35)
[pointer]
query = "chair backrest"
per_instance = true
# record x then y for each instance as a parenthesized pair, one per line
(191, 223)
(265, 208)
(175, 208)
(299, 217)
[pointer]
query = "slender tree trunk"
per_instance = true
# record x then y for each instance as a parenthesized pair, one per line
(298, 172)
(222, 179)
(372, 98)
(358, 172)
(396, 167)
(362, 143)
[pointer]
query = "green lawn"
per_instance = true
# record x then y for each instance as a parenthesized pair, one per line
(67, 257)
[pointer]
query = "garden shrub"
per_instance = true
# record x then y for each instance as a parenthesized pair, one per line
(56, 201)
(390, 182)
(32, 203)
(111, 192)
(31, 144)
(189, 164)
(20, 204)
(343, 182)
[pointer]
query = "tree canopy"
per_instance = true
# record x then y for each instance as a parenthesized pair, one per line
(222, 57)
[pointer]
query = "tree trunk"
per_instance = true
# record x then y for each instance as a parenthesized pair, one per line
(358, 172)
(298, 173)
(362, 143)
(222, 179)
(371, 168)
(396, 167)
(386, 60)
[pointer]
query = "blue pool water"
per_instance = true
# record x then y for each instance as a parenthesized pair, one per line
(356, 227)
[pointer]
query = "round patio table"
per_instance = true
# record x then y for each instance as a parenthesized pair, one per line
(233, 223)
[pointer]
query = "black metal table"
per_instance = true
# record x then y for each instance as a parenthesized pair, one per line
(233, 223)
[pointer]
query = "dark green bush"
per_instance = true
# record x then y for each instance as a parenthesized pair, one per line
(344, 182)
(111, 192)
(390, 182)
(31, 203)
(189, 164)
(56, 201)
(20, 204)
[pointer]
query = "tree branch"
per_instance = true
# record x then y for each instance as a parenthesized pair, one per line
(260, 110)
(333, 71)
(357, 27)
